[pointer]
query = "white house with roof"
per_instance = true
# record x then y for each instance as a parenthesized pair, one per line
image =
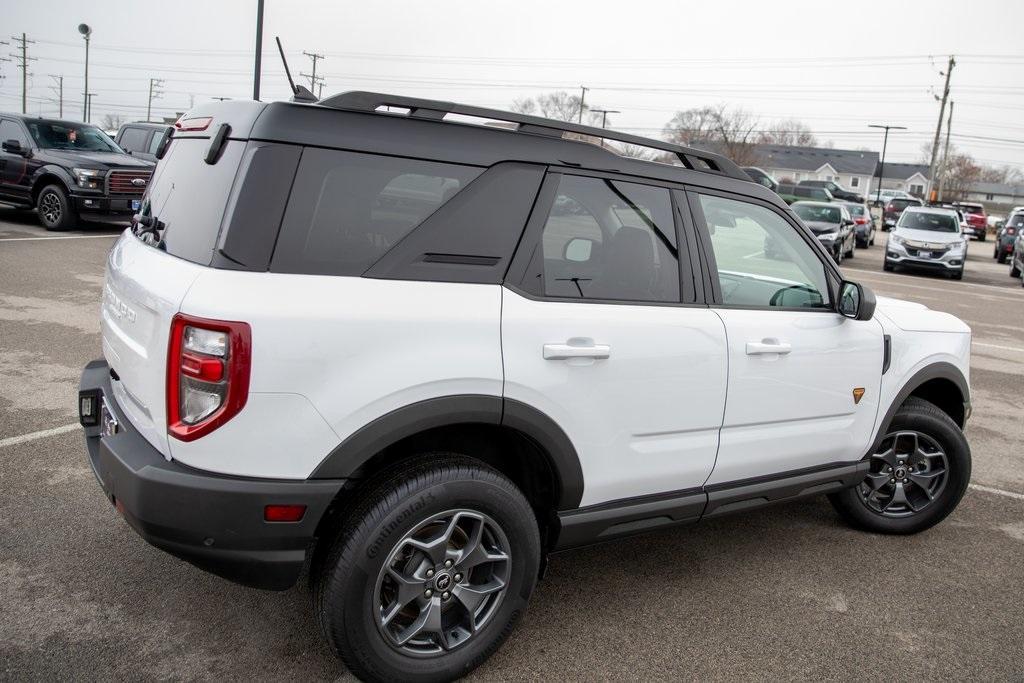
(996, 193)
(912, 178)
(850, 168)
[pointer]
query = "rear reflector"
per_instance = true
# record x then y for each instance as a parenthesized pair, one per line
(284, 513)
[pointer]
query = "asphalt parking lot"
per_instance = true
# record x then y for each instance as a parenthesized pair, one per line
(782, 594)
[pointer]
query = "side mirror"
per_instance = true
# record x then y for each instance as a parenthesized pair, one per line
(13, 146)
(578, 250)
(165, 141)
(856, 301)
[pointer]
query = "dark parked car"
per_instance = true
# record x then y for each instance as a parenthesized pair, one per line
(837, 190)
(894, 209)
(759, 176)
(1017, 257)
(863, 223)
(142, 139)
(64, 169)
(832, 224)
(792, 193)
(1007, 236)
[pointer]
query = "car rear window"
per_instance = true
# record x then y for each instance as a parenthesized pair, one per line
(820, 214)
(347, 209)
(188, 196)
(857, 209)
(901, 203)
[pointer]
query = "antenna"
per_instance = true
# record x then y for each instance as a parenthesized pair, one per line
(299, 93)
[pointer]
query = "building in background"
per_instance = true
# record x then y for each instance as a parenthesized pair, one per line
(848, 167)
(912, 178)
(996, 194)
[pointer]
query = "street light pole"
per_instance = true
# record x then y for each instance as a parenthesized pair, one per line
(259, 51)
(881, 164)
(86, 33)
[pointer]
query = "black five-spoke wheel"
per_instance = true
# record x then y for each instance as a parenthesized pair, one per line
(442, 582)
(907, 474)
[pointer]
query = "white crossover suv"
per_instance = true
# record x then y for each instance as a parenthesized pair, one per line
(374, 342)
(930, 239)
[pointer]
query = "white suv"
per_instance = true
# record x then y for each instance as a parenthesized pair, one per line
(930, 239)
(415, 355)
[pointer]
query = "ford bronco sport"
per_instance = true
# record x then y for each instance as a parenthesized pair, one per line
(370, 339)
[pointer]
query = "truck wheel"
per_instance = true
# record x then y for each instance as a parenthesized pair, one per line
(430, 571)
(54, 209)
(918, 474)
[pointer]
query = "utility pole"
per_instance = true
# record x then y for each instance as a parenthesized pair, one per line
(881, 164)
(583, 97)
(604, 114)
(25, 59)
(88, 106)
(938, 127)
(945, 153)
(313, 78)
(259, 51)
(153, 83)
(60, 93)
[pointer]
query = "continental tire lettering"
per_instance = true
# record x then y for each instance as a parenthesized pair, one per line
(403, 516)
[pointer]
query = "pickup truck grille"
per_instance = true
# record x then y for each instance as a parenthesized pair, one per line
(121, 182)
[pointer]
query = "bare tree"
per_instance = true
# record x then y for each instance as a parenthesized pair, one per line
(732, 132)
(790, 132)
(636, 151)
(558, 105)
(1001, 174)
(111, 121)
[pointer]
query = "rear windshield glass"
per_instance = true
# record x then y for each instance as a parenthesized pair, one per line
(856, 209)
(900, 203)
(821, 214)
(346, 209)
(188, 195)
(972, 208)
(937, 222)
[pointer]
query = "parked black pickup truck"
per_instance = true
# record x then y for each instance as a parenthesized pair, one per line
(838, 191)
(64, 169)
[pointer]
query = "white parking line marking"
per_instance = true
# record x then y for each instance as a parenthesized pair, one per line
(996, 346)
(998, 492)
(47, 239)
(15, 440)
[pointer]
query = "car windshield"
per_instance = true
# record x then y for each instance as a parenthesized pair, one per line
(936, 222)
(821, 214)
(70, 136)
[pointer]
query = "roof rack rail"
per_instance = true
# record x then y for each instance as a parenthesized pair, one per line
(436, 110)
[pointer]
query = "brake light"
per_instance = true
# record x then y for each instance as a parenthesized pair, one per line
(208, 363)
(890, 207)
(197, 123)
(860, 220)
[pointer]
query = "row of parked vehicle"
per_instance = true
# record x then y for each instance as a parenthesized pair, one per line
(65, 170)
(1010, 243)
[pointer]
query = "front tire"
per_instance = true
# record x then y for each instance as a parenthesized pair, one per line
(430, 572)
(54, 209)
(918, 474)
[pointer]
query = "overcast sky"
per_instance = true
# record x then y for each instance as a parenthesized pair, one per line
(835, 66)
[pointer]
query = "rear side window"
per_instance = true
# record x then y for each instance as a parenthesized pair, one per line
(188, 196)
(346, 209)
(133, 139)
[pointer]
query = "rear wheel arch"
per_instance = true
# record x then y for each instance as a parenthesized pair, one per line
(514, 438)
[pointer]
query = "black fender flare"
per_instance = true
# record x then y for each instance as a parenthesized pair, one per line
(39, 176)
(940, 370)
(352, 453)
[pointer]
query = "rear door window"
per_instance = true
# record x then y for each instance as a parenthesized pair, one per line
(188, 196)
(134, 139)
(346, 209)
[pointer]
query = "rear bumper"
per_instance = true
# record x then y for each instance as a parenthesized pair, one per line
(212, 521)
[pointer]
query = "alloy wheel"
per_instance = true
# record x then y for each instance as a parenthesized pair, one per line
(51, 208)
(442, 582)
(907, 474)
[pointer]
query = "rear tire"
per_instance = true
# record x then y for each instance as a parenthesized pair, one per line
(54, 209)
(1014, 270)
(373, 589)
(1001, 257)
(929, 459)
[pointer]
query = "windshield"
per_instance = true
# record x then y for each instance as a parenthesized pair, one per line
(936, 222)
(70, 136)
(821, 214)
(857, 210)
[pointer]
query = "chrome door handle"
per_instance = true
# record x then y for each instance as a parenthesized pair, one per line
(765, 346)
(565, 351)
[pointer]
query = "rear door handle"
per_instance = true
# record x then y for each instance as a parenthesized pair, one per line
(565, 351)
(768, 345)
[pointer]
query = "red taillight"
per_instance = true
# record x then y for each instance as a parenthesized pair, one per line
(860, 220)
(198, 123)
(890, 207)
(207, 374)
(284, 513)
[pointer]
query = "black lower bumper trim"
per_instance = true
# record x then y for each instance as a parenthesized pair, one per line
(212, 521)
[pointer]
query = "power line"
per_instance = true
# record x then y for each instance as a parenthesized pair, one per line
(60, 93)
(25, 59)
(153, 94)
